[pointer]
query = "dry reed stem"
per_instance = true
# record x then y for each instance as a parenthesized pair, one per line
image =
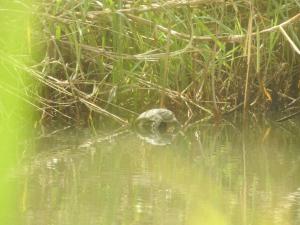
(142, 56)
(294, 46)
(174, 94)
(153, 7)
(288, 117)
(98, 109)
(229, 38)
(58, 88)
(248, 53)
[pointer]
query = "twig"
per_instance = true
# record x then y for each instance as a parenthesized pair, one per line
(294, 101)
(233, 109)
(288, 117)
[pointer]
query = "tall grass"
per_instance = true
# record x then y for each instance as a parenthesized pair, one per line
(201, 59)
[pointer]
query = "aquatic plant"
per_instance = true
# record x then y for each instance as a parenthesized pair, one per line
(201, 59)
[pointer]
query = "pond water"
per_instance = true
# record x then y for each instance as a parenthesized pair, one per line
(210, 175)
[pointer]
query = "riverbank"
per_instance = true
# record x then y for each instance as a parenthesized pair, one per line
(115, 59)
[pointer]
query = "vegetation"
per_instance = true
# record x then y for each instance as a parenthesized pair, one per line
(104, 59)
(201, 59)
(13, 112)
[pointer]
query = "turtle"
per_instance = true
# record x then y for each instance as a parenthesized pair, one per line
(157, 126)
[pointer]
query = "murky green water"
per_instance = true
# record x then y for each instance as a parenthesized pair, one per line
(212, 175)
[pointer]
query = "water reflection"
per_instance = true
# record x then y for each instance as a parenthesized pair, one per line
(212, 175)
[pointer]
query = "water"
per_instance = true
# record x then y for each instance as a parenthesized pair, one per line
(212, 175)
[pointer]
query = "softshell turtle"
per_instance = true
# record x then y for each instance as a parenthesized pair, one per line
(157, 126)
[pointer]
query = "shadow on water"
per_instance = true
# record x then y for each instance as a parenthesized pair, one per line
(210, 175)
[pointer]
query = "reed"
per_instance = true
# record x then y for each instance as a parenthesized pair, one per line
(202, 59)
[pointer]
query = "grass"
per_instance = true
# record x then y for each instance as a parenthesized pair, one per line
(201, 59)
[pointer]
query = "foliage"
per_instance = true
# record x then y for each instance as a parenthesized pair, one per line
(199, 58)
